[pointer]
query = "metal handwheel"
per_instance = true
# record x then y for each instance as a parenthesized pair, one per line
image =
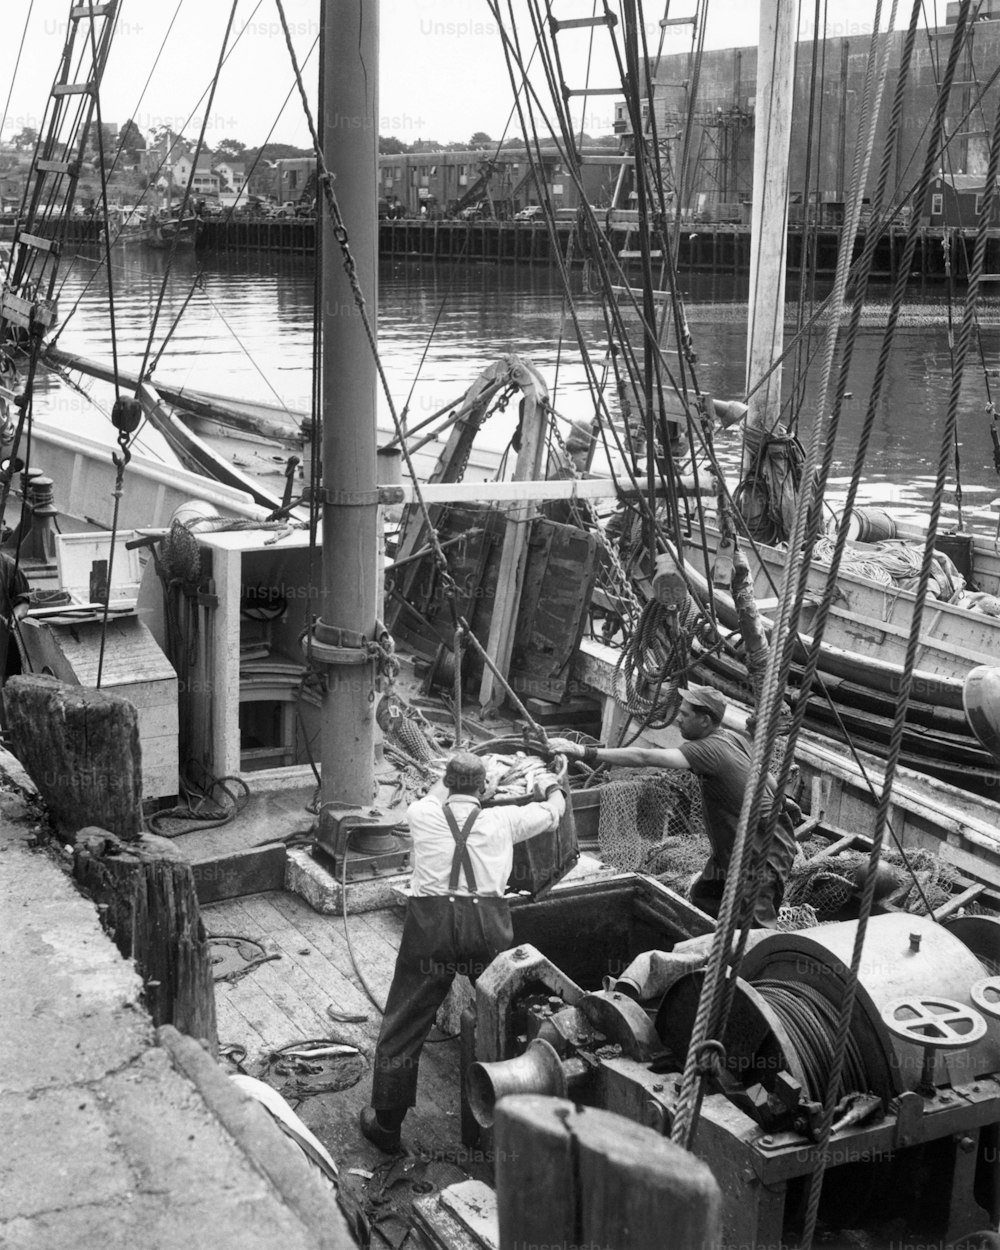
(980, 995)
(935, 1024)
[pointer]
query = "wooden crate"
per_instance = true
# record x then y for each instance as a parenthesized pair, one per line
(68, 646)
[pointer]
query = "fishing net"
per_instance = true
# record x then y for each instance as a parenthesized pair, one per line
(791, 919)
(180, 556)
(407, 729)
(826, 883)
(641, 810)
(410, 744)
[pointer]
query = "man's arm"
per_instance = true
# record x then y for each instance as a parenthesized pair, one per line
(625, 757)
(532, 819)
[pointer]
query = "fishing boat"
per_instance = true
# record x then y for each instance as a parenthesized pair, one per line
(170, 230)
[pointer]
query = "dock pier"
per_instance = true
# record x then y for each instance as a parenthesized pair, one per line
(721, 248)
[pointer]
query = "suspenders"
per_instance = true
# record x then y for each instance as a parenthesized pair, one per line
(461, 860)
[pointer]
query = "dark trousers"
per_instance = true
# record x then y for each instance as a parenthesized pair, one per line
(442, 936)
(706, 894)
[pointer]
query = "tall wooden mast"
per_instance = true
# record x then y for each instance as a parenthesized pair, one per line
(349, 111)
(769, 225)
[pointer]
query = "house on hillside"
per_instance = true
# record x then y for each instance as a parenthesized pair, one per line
(205, 181)
(232, 176)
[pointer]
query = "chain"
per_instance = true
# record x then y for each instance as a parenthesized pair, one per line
(126, 427)
(382, 649)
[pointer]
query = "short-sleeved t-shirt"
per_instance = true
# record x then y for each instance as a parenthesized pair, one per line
(721, 761)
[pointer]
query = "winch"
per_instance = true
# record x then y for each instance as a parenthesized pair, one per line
(363, 842)
(917, 1121)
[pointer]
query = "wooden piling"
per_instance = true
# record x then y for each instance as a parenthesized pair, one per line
(146, 892)
(569, 1175)
(81, 749)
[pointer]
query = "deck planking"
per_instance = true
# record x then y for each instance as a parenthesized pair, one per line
(286, 1000)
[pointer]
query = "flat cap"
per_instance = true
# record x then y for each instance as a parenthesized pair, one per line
(705, 699)
(464, 769)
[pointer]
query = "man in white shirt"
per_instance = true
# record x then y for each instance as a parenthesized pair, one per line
(457, 921)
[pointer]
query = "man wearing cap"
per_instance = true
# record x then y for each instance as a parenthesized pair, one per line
(721, 760)
(457, 920)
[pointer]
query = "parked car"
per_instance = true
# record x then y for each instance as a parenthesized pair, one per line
(287, 209)
(534, 212)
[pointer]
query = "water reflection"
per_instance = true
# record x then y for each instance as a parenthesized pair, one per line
(246, 332)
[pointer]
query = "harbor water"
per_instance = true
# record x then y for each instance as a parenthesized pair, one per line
(247, 333)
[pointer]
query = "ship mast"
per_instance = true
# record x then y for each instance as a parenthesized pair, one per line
(349, 138)
(769, 224)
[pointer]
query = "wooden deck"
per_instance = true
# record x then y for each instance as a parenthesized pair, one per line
(286, 1000)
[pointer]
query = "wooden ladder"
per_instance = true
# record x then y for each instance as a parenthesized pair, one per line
(27, 302)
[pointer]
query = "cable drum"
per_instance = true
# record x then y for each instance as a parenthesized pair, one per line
(905, 956)
(811, 1023)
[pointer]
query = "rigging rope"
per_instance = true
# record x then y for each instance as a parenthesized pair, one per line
(716, 991)
(187, 190)
(913, 641)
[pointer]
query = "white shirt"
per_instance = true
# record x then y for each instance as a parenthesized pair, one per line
(490, 844)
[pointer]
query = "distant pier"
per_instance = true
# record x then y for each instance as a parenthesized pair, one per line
(708, 247)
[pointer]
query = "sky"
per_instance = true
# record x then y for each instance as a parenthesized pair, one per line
(442, 70)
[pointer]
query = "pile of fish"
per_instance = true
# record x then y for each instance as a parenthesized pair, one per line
(510, 776)
(513, 776)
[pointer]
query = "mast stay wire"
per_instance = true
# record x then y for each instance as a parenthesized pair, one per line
(448, 293)
(617, 334)
(187, 190)
(13, 77)
(199, 277)
(789, 611)
(847, 1005)
(120, 461)
(156, 172)
(714, 991)
(604, 253)
(863, 771)
(877, 226)
(807, 277)
(340, 231)
(511, 46)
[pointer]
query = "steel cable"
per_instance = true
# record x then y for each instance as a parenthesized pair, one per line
(868, 893)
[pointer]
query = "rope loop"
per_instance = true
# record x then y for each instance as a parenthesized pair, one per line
(710, 1058)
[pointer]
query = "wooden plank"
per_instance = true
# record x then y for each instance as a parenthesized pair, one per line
(559, 577)
(438, 1065)
(285, 1013)
(529, 491)
(474, 1205)
(439, 1228)
(633, 1183)
(844, 843)
(537, 1193)
(804, 830)
(240, 873)
(513, 556)
(928, 642)
(959, 900)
